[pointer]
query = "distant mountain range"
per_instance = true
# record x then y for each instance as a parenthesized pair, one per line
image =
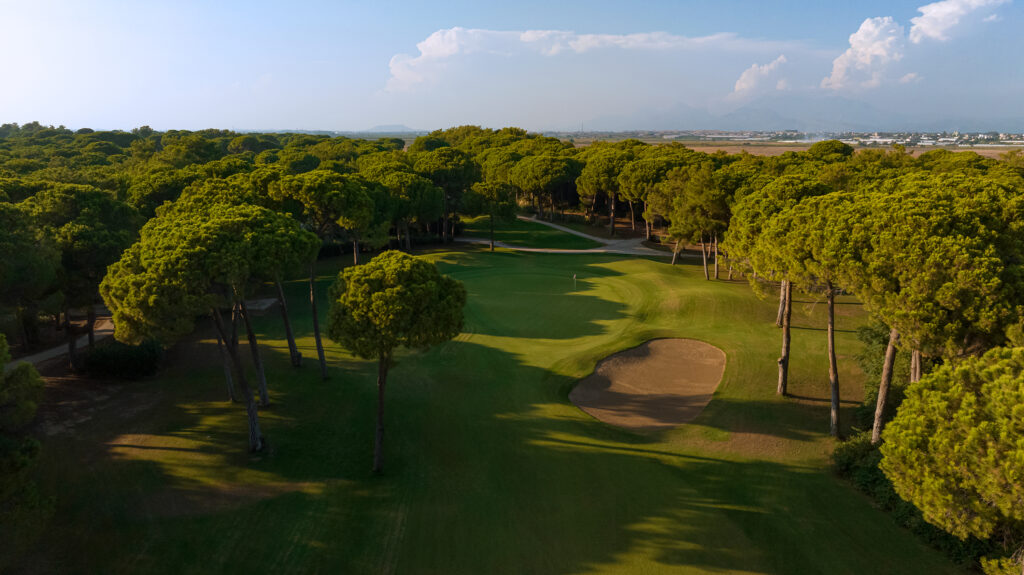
(794, 112)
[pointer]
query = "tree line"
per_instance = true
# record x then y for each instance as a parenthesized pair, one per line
(168, 227)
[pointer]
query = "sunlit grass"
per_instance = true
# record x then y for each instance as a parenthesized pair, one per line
(526, 234)
(488, 467)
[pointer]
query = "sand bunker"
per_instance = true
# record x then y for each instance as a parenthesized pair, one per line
(656, 385)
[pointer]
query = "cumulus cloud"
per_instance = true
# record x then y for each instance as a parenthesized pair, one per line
(407, 70)
(444, 45)
(752, 76)
(878, 42)
(938, 18)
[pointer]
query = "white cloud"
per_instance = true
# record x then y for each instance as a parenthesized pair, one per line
(992, 18)
(445, 45)
(407, 71)
(875, 44)
(752, 76)
(938, 18)
(782, 84)
(910, 78)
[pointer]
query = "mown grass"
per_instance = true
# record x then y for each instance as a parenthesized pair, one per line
(526, 234)
(488, 467)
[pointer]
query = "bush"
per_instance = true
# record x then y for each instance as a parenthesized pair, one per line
(113, 359)
(875, 337)
(1000, 566)
(857, 460)
(23, 510)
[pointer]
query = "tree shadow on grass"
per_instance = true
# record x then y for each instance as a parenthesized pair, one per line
(488, 469)
(498, 474)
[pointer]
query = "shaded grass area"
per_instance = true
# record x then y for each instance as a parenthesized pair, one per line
(526, 234)
(488, 467)
(599, 227)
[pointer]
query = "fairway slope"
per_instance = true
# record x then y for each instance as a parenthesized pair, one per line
(657, 385)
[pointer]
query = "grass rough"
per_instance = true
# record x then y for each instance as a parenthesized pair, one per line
(490, 468)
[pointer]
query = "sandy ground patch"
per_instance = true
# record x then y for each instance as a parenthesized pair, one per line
(656, 385)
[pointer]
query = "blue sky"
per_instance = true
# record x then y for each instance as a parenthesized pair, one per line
(539, 65)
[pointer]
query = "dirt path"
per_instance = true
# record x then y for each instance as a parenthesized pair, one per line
(656, 385)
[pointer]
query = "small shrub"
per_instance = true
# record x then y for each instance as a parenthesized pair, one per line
(1000, 566)
(116, 360)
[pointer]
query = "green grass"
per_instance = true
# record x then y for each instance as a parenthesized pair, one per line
(527, 234)
(599, 228)
(488, 467)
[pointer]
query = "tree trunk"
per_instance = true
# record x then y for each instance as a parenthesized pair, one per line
(91, 325)
(716, 256)
(234, 324)
(782, 304)
(378, 443)
(883, 386)
(784, 357)
(227, 367)
(21, 316)
(355, 251)
(647, 224)
(915, 366)
(704, 256)
(833, 369)
(316, 321)
(444, 220)
(675, 252)
(255, 437)
(730, 273)
(492, 232)
(408, 237)
(632, 217)
(72, 336)
(293, 350)
(257, 360)
(611, 210)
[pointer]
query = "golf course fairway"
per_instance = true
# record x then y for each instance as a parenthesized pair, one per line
(489, 468)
